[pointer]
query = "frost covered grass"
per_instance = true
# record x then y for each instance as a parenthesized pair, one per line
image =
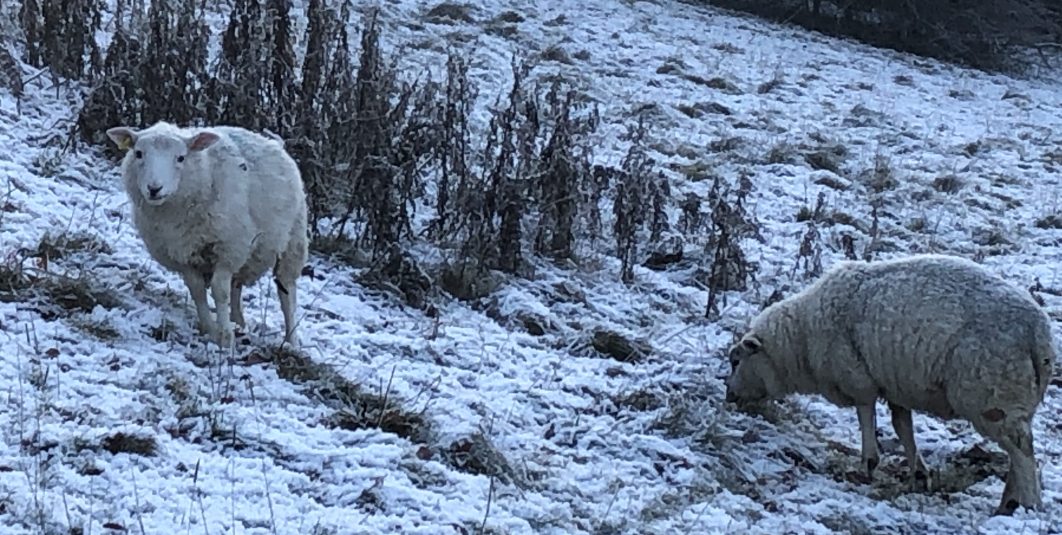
(563, 402)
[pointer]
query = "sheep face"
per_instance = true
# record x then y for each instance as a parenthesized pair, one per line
(752, 375)
(156, 160)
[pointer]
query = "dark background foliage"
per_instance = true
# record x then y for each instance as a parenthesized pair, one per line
(376, 146)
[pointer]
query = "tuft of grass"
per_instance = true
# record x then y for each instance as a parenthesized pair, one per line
(476, 454)
(49, 162)
(1051, 221)
(398, 272)
(718, 83)
(844, 523)
(728, 48)
(683, 415)
(55, 247)
(701, 108)
(881, 177)
(69, 293)
(770, 85)
(559, 20)
(77, 294)
(355, 408)
(947, 184)
(558, 54)
(640, 400)
(781, 153)
(726, 144)
(163, 331)
(671, 66)
(450, 13)
(824, 160)
(844, 218)
(691, 111)
(530, 322)
(13, 280)
(466, 283)
(510, 17)
(683, 150)
(990, 237)
(832, 183)
(145, 446)
(714, 108)
(341, 249)
(502, 30)
(618, 347)
(100, 330)
(903, 79)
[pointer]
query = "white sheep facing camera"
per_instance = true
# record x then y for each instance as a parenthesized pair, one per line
(220, 206)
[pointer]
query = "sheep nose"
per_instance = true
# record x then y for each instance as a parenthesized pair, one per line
(154, 190)
(731, 397)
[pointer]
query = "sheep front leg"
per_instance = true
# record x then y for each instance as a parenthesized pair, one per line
(197, 287)
(904, 426)
(221, 287)
(868, 427)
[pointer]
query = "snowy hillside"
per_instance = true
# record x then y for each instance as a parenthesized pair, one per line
(510, 416)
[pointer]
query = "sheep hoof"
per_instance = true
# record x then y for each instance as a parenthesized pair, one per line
(292, 340)
(870, 464)
(224, 337)
(1007, 508)
(921, 481)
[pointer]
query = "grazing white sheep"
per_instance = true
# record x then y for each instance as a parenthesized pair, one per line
(220, 206)
(931, 333)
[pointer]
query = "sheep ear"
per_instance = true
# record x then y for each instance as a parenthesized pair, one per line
(751, 343)
(202, 141)
(123, 136)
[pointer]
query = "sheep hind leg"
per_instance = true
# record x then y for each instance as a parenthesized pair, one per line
(287, 306)
(285, 275)
(868, 428)
(197, 287)
(237, 304)
(221, 286)
(904, 426)
(1023, 486)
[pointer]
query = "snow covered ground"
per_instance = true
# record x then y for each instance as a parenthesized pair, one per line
(117, 417)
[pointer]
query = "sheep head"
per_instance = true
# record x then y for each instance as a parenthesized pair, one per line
(752, 374)
(156, 158)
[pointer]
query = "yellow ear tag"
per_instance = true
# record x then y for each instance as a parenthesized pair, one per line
(125, 143)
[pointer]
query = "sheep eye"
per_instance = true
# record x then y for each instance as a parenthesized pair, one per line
(734, 363)
(180, 159)
(139, 154)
